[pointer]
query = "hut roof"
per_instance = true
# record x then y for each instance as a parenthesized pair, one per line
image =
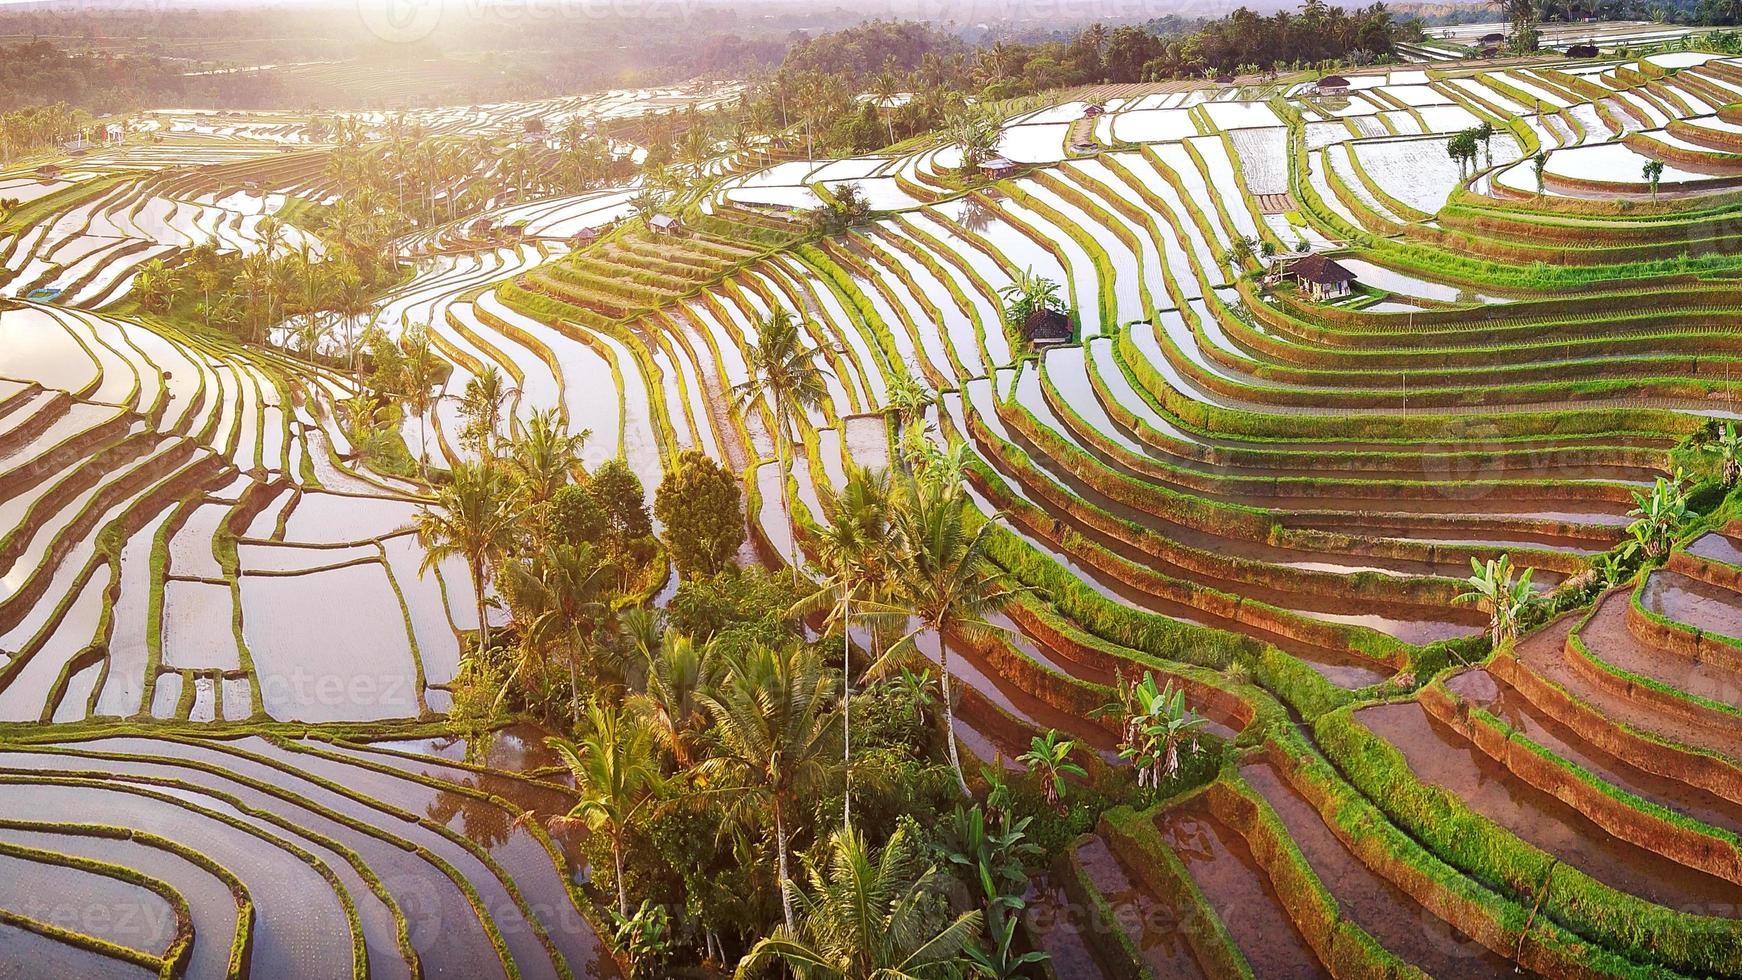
(1047, 326)
(1318, 269)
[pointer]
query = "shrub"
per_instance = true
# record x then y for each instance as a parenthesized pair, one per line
(702, 509)
(573, 514)
(619, 494)
(736, 609)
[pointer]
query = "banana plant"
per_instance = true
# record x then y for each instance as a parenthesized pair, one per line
(1156, 725)
(1049, 758)
(1496, 593)
(1728, 448)
(1658, 515)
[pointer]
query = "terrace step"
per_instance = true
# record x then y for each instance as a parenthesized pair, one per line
(1387, 912)
(1444, 759)
(1224, 869)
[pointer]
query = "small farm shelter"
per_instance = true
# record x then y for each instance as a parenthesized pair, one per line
(664, 224)
(1582, 51)
(997, 168)
(1319, 277)
(1332, 85)
(1046, 327)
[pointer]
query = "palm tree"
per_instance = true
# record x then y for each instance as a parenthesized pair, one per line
(1728, 448)
(679, 672)
(885, 88)
(481, 404)
(422, 373)
(616, 773)
(476, 519)
(1026, 294)
(943, 578)
(1495, 593)
(784, 372)
(546, 455)
(852, 552)
(271, 234)
(774, 731)
(1049, 758)
(350, 300)
(868, 918)
(565, 593)
(975, 132)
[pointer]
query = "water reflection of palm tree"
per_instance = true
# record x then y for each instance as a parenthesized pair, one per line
(485, 823)
(977, 216)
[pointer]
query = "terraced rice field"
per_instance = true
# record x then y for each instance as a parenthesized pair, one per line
(222, 668)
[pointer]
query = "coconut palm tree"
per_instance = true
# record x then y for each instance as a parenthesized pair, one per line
(476, 518)
(545, 456)
(1495, 592)
(783, 372)
(852, 552)
(886, 89)
(679, 672)
(867, 917)
(422, 373)
(481, 404)
(271, 234)
(565, 594)
(943, 578)
(616, 773)
(350, 299)
(774, 733)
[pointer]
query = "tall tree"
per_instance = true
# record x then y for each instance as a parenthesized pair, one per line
(775, 730)
(481, 405)
(702, 509)
(475, 517)
(564, 594)
(853, 553)
(783, 372)
(616, 773)
(545, 455)
(679, 672)
(943, 578)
